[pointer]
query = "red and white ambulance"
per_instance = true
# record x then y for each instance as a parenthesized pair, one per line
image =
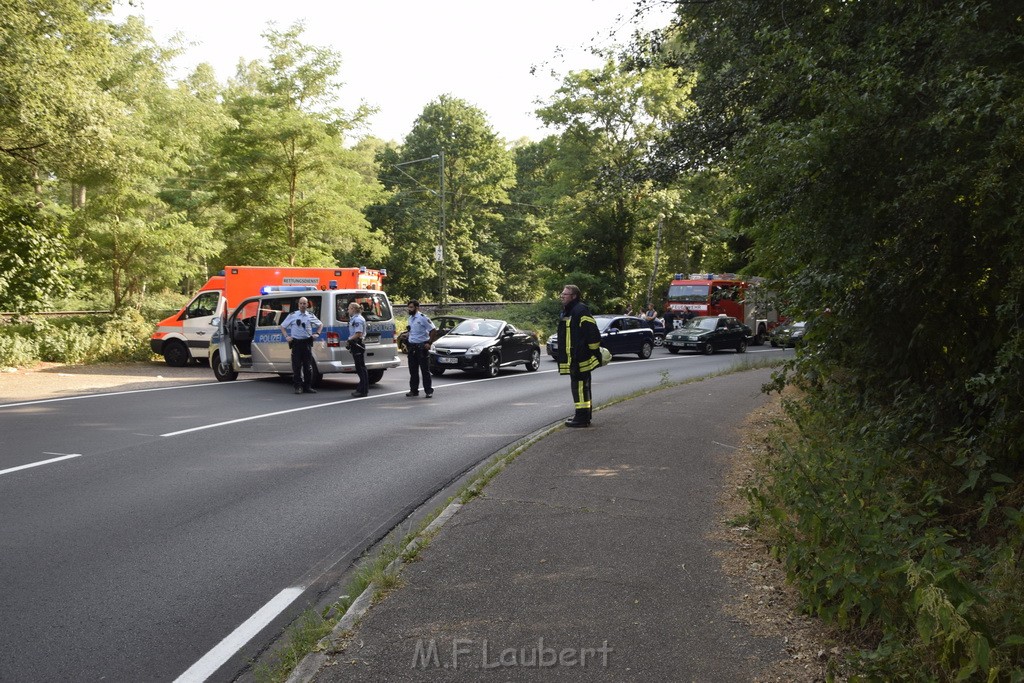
(186, 334)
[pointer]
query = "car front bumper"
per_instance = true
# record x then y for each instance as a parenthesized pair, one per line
(470, 364)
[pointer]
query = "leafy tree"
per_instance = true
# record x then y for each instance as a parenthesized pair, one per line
(525, 226)
(296, 194)
(130, 238)
(878, 170)
(34, 262)
(52, 113)
(478, 173)
(605, 211)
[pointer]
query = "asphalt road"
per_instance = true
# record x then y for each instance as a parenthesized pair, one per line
(170, 534)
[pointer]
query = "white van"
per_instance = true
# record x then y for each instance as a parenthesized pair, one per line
(252, 334)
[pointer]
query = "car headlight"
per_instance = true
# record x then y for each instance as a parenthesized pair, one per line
(475, 350)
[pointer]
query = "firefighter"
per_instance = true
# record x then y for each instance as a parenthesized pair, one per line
(579, 352)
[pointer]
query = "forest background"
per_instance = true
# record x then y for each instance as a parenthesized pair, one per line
(865, 156)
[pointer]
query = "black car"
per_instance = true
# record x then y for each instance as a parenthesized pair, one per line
(708, 334)
(620, 334)
(443, 323)
(484, 346)
(789, 335)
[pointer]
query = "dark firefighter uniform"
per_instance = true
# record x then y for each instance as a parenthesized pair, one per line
(578, 354)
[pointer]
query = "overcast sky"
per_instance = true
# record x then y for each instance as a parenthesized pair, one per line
(399, 55)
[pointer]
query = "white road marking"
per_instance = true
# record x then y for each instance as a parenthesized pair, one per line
(40, 463)
(113, 393)
(226, 648)
(332, 403)
(315, 406)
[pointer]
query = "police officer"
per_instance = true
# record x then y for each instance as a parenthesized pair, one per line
(357, 347)
(420, 327)
(300, 328)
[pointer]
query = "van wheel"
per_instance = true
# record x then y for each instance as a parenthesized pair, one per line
(176, 354)
(374, 376)
(223, 373)
(317, 377)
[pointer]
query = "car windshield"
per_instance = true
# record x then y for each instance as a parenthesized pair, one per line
(477, 328)
(702, 323)
(689, 293)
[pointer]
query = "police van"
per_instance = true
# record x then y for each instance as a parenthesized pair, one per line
(249, 339)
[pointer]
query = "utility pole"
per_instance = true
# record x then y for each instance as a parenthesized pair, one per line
(440, 271)
(657, 256)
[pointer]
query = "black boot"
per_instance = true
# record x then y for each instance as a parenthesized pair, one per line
(580, 419)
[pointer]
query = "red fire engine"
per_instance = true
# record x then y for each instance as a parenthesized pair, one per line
(721, 294)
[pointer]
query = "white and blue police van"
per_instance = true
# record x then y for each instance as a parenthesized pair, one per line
(249, 339)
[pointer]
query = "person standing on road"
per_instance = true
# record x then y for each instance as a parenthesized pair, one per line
(300, 328)
(357, 347)
(420, 327)
(650, 316)
(579, 352)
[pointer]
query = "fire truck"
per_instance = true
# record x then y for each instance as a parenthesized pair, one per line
(698, 294)
(186, 335)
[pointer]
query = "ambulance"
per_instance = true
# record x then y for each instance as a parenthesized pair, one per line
(185, 335)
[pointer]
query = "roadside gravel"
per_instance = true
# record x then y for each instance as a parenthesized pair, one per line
(53, 380)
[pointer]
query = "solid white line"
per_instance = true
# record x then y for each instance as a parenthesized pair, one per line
(226, 648)
(279, 412)
(117, 393)
(41, 462)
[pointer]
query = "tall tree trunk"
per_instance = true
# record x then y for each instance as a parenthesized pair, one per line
(77, 196)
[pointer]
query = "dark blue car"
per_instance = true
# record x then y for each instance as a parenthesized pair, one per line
(620, 334)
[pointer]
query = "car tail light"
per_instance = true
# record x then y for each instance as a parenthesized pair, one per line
(333, 339)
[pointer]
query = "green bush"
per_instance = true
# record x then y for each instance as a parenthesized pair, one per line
(65, 343)
(125, 337)
(881, 535)
(78, 339)
(15, 349)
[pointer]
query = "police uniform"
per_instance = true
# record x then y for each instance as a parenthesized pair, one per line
(302, 327)
(419, 355)
(357, 347)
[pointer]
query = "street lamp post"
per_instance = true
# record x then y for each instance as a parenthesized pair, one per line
(439, 252)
